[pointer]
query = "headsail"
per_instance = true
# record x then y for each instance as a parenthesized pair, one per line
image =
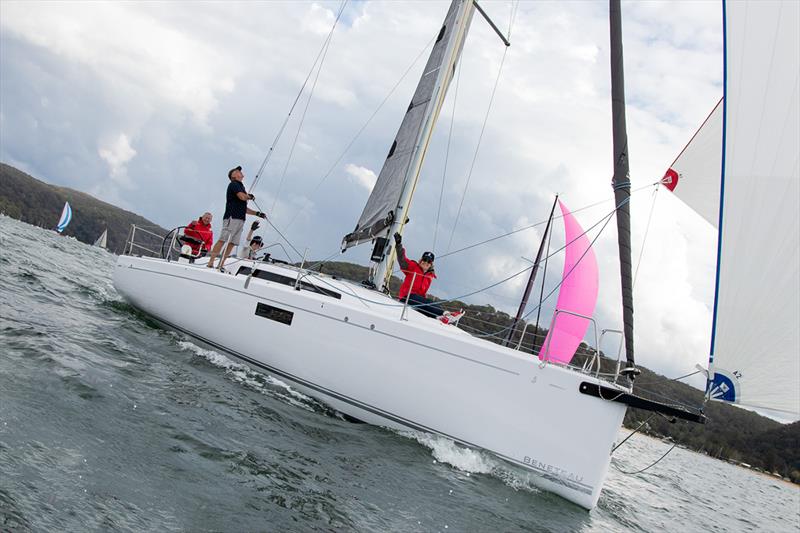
(578, 294)
(101, 240)
(66, 216)
(754, 357)
(694, 175)
(402, 165)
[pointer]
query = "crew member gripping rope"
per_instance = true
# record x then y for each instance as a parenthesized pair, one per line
(236, 210)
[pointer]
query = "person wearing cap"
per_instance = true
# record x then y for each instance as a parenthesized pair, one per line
(254, 243)
(418, 278)
(236, 211)
(200, 231)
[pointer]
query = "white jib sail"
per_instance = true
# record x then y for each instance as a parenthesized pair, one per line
(101, 240)
(755, 359)
(694, 176)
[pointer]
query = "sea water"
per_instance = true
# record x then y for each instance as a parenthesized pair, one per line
(110, 422)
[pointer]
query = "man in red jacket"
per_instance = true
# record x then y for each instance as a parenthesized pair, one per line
(419, 276)
(200, 230)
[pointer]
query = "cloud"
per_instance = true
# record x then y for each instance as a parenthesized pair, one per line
(361, 175)
(117, 153)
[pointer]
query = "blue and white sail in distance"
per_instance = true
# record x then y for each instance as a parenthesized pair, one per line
(740, 172)
(66, 216)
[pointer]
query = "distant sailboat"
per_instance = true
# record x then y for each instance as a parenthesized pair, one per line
(101, 240)
(66, 217)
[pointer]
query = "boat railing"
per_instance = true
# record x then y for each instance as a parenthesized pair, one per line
(142, 241)
(590, 362)
(619, 348)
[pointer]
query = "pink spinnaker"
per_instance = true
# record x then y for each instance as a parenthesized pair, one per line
(578, 294)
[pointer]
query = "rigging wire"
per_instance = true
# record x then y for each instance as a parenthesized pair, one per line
(477, 148)
(644, 238)
(305, 109)
(512, 232)
(446, 157)
(359, 132)
(511, 20)
(297, 99)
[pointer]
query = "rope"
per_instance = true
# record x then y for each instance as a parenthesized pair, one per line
(556, 217)
(305, 109)
(358, 134)
(446, 158)
(654, 463)
(282, 236)
(291, 109)
(644, 239)
(477, 148)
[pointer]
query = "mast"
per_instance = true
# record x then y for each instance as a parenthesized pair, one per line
(621, 181)
(524, 302)
(462, 21)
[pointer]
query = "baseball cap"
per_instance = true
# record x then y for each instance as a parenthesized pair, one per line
(427, 256)
(231, 171)
(257, 240)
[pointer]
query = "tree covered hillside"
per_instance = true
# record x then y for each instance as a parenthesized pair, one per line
(35, 202)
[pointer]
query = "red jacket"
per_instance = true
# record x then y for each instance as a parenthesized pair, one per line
(422, 280)
(202, 232)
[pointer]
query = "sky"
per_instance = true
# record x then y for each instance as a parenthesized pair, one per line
(147, 105)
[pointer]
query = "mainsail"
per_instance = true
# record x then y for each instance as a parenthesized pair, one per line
(66, 216)
(578, 294)
(754, 358)
(101, 240)
(384, 209)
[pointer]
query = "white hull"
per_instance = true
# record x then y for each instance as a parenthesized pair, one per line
(356, 355)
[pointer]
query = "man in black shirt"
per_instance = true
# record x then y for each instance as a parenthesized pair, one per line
(233, 220)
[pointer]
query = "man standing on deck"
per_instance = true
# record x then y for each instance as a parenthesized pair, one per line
(233, 220)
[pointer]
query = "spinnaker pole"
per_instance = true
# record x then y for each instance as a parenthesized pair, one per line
(621, 181)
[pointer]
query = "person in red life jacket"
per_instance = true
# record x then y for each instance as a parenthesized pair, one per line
(200, 230)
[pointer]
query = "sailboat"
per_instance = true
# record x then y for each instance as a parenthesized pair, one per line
(101, 240)
(380, 361)
(66, 217)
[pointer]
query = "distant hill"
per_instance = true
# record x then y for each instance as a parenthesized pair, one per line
(25, 198)
(732, 434)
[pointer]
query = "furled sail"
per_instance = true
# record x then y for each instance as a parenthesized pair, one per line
(694, 175)
(101, 240)
(66, 216)
(754, 357)
(405, 155)
(578, 294)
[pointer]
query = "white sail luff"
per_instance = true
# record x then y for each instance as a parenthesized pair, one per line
(755, 342)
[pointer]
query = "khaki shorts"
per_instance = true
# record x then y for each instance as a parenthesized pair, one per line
(232, 230)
